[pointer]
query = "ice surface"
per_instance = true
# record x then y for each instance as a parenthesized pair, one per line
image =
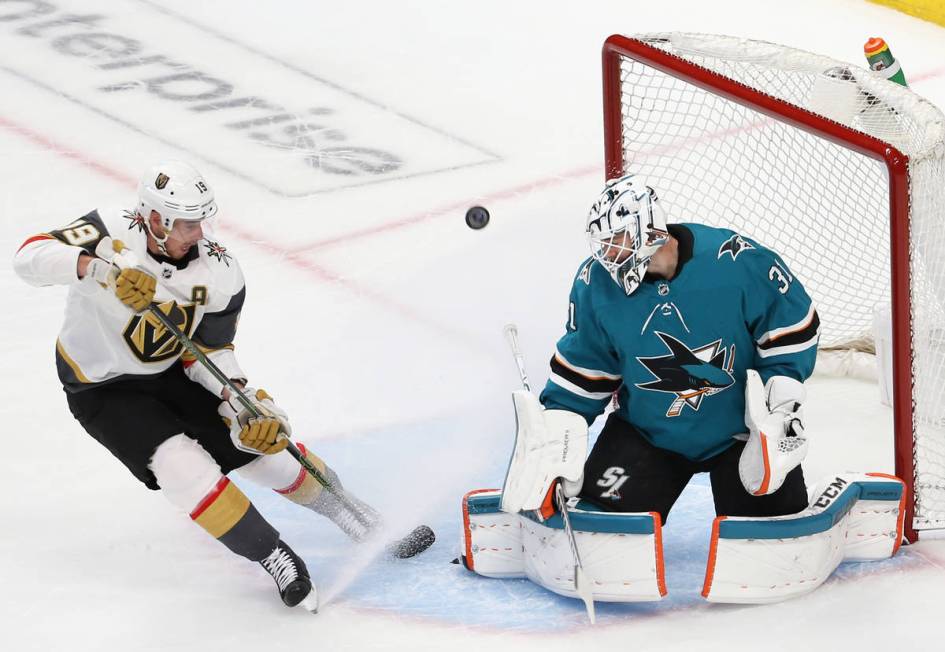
(374, 315)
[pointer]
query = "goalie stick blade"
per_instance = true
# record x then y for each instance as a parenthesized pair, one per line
(413, 544)
(584, 590)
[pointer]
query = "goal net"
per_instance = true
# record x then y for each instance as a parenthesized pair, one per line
(837, 169)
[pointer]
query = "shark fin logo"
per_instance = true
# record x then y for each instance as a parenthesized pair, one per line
(585, 274)
(690, 374)
(734, 246)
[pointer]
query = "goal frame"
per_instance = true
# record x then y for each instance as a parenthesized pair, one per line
(896, 163)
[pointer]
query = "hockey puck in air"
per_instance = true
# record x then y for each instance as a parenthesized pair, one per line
(477, 217)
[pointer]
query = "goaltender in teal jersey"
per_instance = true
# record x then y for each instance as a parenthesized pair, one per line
(666, 319)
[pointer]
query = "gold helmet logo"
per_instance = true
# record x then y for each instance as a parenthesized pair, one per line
(161, 181)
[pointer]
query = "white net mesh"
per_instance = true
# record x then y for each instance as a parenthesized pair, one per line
(823, 206)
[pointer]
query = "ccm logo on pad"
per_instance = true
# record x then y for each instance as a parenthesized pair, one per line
(832, 491)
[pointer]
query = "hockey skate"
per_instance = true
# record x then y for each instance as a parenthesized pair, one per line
(291, 577)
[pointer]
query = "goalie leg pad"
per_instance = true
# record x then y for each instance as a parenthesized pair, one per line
(853, 517)
(492, 539)
(622, 553)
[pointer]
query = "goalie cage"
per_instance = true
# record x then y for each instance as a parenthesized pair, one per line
(837, 169)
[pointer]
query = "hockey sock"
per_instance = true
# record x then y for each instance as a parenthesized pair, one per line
(228, 515)
(288, 478)
(305, 488)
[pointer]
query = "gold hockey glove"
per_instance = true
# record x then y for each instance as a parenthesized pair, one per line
(135, 288)
(118, 268)
(264, 435)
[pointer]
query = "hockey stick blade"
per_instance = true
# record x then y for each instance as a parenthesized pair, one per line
(413, 544)
(582, 586)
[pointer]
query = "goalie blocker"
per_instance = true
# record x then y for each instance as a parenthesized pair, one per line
(852, 517)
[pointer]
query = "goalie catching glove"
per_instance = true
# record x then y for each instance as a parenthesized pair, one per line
(776, 441)
(266, 434)
(119, 269)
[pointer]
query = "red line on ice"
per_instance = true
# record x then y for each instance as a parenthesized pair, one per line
(257, 240)
(425, 216)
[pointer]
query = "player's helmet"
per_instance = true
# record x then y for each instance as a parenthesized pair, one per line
(177, 192)
(625, 227)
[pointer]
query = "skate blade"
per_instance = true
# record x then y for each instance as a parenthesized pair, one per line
(310, 603)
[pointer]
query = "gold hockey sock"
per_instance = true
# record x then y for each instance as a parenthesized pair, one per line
(228, 515)
(305, 489)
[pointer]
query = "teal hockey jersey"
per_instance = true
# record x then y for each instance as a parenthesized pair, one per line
(676, 350)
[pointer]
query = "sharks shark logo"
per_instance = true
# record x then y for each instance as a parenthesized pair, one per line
(585, 274)
(689, 374)
(734, 246)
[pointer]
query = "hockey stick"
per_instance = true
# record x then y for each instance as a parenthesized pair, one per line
(511, 334)
(418, 540)
(581, 584)
(251, 407)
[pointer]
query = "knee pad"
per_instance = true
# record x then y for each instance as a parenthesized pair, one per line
(185, 471)
(271, 471)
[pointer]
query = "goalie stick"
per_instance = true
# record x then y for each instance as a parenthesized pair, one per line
(581, 584)
(418, 540)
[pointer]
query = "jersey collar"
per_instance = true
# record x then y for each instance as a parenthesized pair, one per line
(685, 239)
(192, 254)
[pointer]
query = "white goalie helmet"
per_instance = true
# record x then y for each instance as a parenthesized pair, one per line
(177, 192)
(625, 227)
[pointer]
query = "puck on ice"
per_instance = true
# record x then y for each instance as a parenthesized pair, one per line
(413, 544)
(477, 217)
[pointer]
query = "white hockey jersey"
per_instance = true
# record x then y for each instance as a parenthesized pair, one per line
(101, 339)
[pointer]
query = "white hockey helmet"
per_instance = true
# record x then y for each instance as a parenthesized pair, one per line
(177, 192)
(625, 227)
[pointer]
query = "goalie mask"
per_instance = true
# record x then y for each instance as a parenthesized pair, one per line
(625, 227)
(177, 192)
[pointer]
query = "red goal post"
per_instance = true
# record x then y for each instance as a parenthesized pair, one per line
(837, 169)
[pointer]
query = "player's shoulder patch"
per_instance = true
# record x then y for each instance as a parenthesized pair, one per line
(735, 245)
(223, 266)
(584, 273)
(214, 251)
(133, 221)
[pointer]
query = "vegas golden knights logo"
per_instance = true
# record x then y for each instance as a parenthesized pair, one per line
(150, 341)
(161, 181)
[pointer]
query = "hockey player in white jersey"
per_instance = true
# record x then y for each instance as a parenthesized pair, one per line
(133, 387)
